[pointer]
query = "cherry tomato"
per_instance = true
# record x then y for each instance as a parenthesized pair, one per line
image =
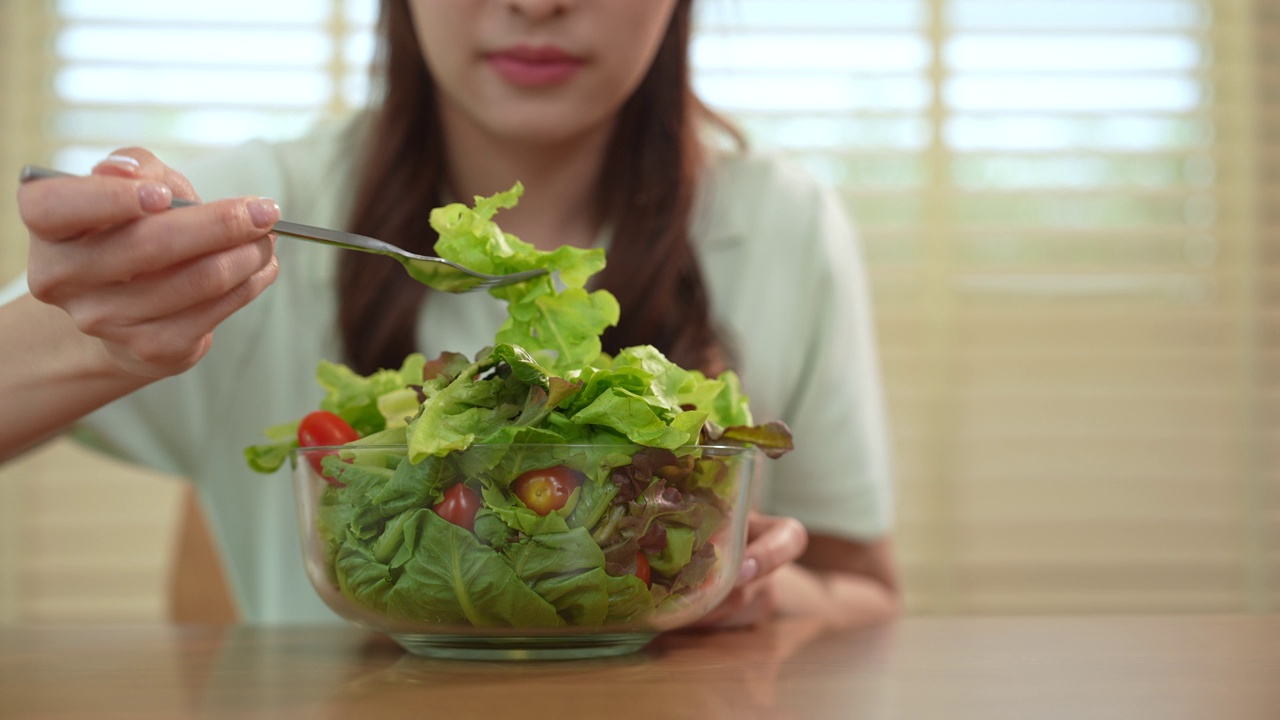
(543, 491)
(459, 506)
(321, 429)
(642, 569)
(324, 428)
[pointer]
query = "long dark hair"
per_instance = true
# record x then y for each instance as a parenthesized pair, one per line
(657, 155)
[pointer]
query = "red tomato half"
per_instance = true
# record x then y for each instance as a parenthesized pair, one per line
(459, 506)
(324, 428)
(543, 491)
(642, 569)
(321, 429)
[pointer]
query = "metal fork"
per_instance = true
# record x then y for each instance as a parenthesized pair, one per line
(434, 272)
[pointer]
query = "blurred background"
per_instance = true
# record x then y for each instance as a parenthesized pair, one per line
(1071, 209)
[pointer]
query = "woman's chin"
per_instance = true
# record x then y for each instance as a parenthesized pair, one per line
(534, 130)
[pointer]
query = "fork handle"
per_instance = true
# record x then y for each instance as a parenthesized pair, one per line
(351, 241)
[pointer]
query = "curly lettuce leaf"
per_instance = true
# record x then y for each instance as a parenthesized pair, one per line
(561, 326)
(483, 405)
(730, 407)
(452, 417)
(632, 416)
(268, 457)
(666, 380)
(354, 397)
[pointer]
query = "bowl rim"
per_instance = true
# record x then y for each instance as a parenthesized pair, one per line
(397, 446)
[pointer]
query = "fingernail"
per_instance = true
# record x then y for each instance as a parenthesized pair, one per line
(154, 197)
(124, 162)
(750, 568)
(264, 212)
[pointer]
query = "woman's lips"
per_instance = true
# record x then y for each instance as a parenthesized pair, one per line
(534, 66)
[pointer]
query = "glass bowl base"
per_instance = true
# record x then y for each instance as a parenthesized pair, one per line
(471, 647)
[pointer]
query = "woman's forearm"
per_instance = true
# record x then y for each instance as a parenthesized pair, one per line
(788, 571)
(837, 596)
(845, 581)
(50, 374)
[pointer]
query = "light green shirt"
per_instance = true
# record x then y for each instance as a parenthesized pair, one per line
(787, 285)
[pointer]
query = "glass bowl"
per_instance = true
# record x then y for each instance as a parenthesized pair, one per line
(647, 541)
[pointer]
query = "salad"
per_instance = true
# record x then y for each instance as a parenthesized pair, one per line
(541, 483)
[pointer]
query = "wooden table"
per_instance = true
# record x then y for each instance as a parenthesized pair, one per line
(1094, 668)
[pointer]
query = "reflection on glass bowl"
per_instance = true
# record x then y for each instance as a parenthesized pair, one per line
(457, 556)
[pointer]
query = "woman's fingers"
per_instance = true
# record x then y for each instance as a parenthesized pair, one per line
(129, 184)
(140, 163)
(178, 236)
(60, 270)
(150, 282)
(771, 543)
(744, 607)
(118, 307)
(64, 208)
(172, 344)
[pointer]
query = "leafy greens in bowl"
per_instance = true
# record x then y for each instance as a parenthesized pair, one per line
(542, 499)
(648, 548)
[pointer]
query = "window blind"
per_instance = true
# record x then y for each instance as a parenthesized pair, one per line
(1048, 195)
(1095, 355)
(1067, 207)
(1264, 458)
(22, 34)
(186, 78)
(88, 77)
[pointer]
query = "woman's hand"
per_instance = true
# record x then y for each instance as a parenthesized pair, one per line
(772, 544)
(145, 283)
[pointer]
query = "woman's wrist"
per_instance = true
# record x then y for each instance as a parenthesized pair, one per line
(836, 596)
(61, 353)
(53, 372)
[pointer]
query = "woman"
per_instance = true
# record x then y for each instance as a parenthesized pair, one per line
(715, 256)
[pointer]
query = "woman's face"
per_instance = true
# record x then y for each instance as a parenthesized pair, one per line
(538, 70)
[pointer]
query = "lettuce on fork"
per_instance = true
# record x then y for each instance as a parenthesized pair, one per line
(543, 395)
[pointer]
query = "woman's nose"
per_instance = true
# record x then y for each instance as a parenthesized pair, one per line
(540, 10)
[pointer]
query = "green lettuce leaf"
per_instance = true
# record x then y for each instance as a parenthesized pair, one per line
(452, 417)
(634, 417)
(730, 406)
(666, 379)
(426, 568)
(581, 599)
(507, 508)
(268, 457)
(629, 599)
(679, 550)
(567, 570)
(354, 397)
(562, 329)
(594, 499)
